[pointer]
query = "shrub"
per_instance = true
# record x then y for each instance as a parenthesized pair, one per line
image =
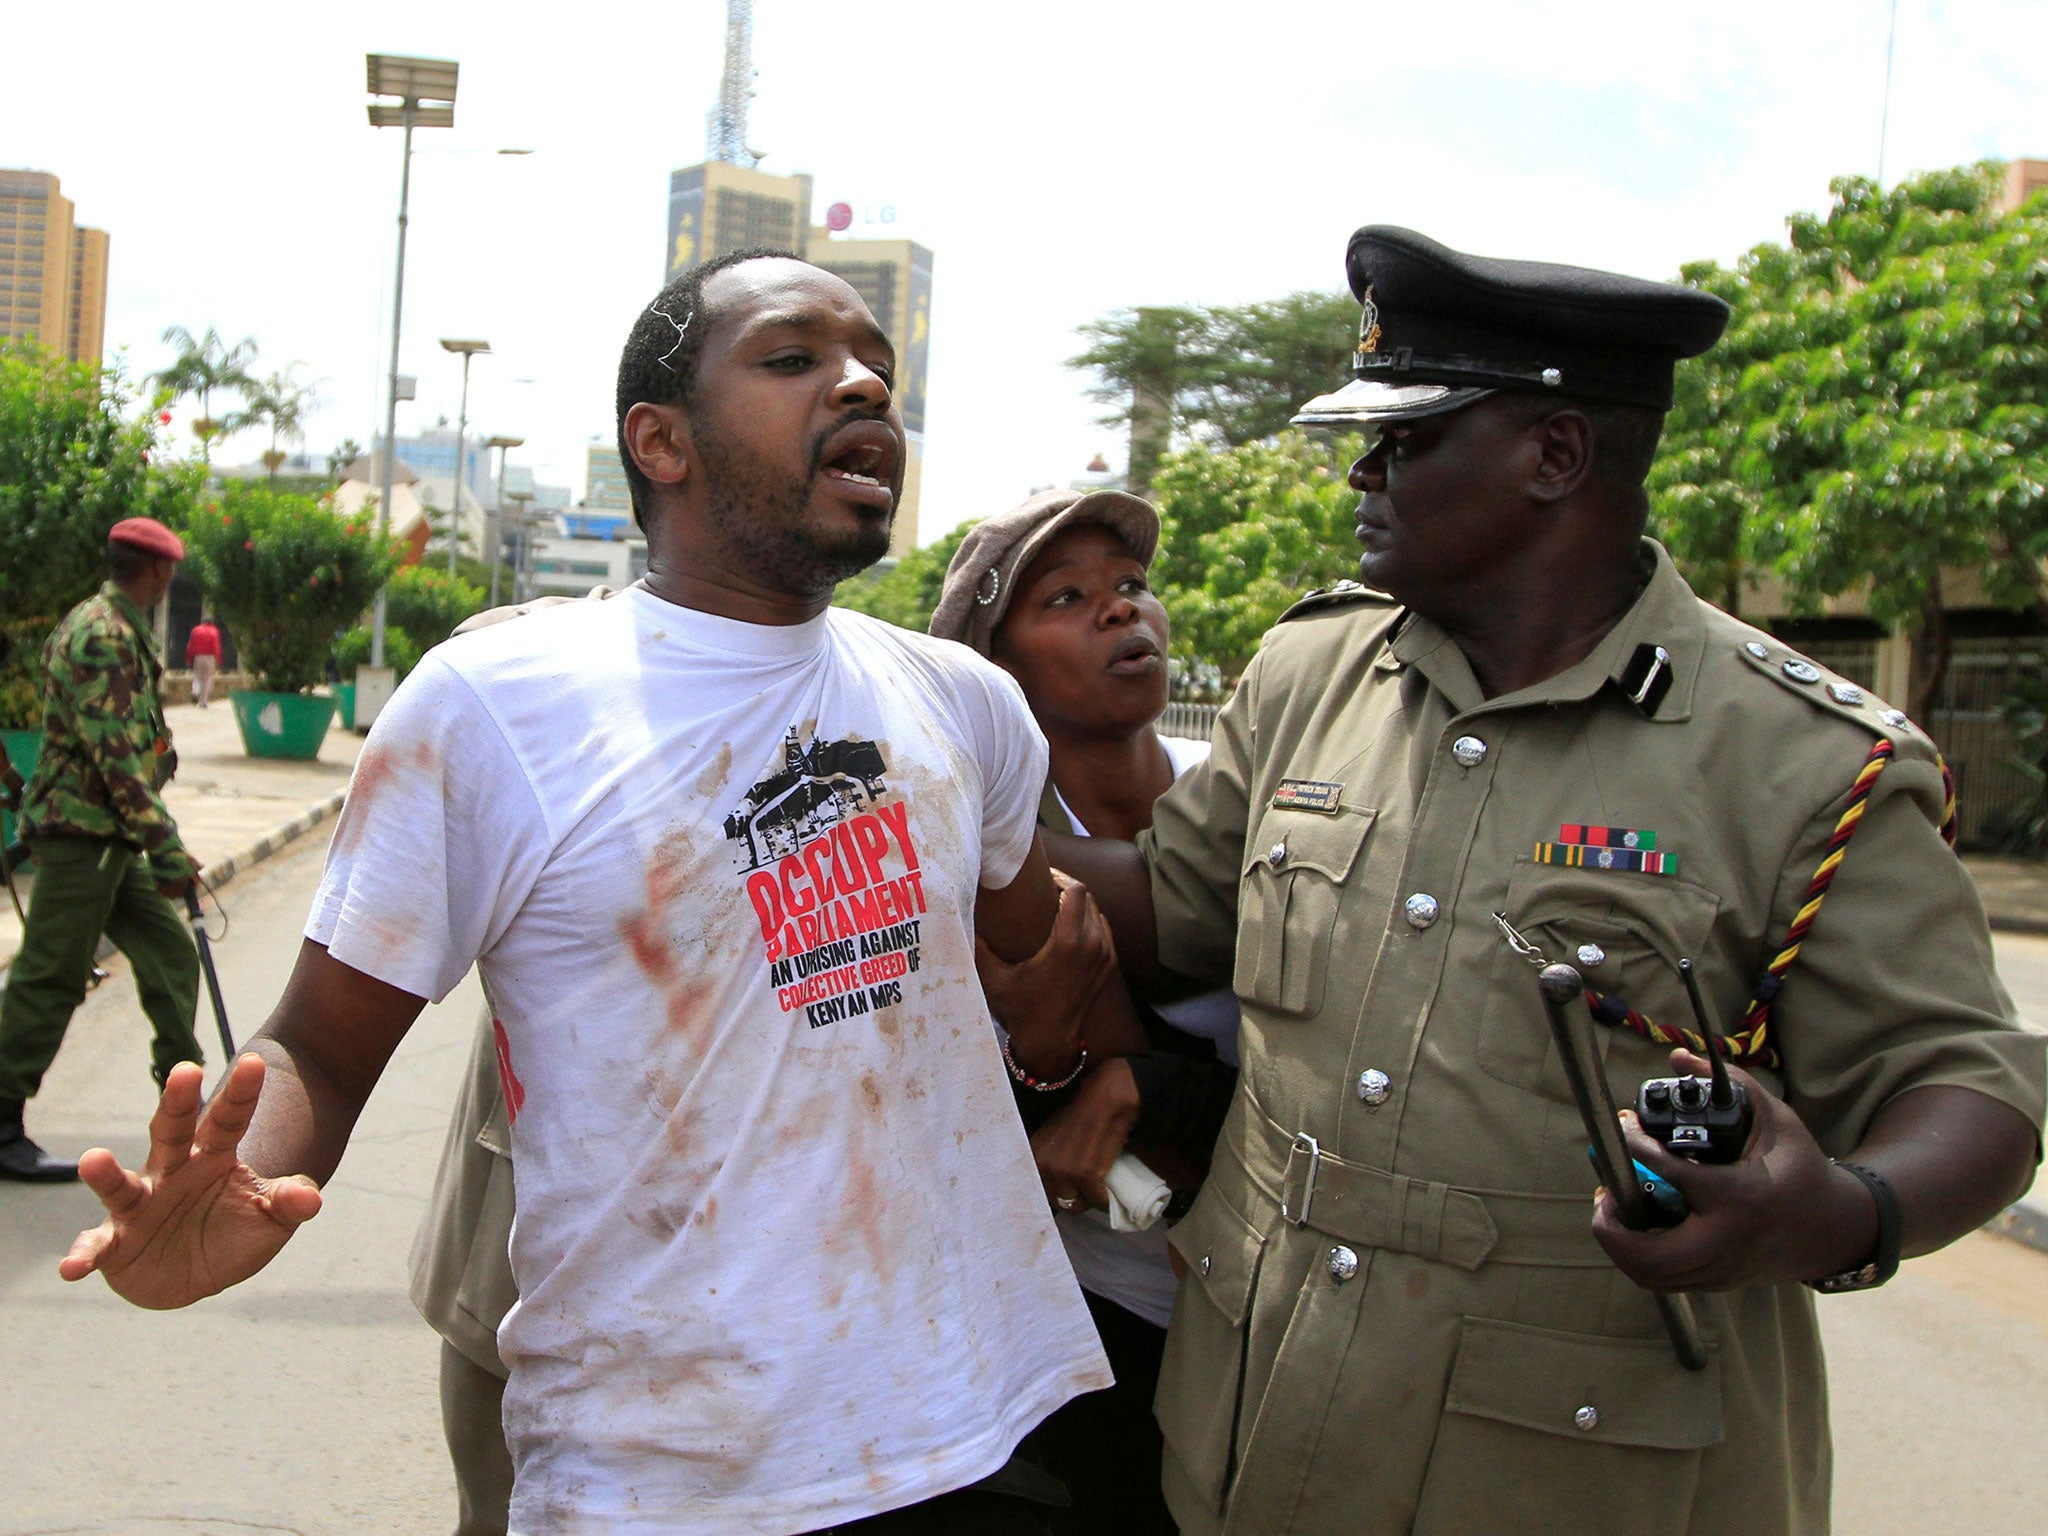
(427, 604)
(352, 650)
(72, 464)
(287, 574)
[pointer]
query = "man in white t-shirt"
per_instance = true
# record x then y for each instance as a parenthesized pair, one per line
(720, 853)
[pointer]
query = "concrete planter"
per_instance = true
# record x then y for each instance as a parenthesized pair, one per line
(22, 749)
(288, 725)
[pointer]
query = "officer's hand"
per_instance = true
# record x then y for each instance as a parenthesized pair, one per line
(1076, 1147)
(1780, 1214)
(1044, 1000)
(174, 890)
(195, 1219)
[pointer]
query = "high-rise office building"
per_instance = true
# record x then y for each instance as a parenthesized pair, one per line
(53, 273)
(717, 208)
(604, 480)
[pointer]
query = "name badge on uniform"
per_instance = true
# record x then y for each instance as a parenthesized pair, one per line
(1307, 795)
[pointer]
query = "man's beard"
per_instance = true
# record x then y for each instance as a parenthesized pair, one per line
(764, 518)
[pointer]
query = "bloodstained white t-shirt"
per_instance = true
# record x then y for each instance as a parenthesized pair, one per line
(782, 1255)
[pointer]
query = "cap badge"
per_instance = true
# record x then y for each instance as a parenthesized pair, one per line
(1368, 327)
(991, 583)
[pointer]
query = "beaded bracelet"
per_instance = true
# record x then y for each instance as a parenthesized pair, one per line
(1025, 1079)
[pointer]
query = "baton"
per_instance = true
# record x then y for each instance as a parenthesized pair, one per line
(1641, 1204)
(220, 1009)
(10, 856)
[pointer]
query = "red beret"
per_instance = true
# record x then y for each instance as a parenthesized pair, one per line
(147, 535)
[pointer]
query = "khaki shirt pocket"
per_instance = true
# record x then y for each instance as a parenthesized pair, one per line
(1574, 1431)
(1199, 1401)
(1642, 926)
(1287, 905)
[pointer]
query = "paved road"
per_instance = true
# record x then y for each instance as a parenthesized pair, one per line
(304, 1401)
(2023, 964)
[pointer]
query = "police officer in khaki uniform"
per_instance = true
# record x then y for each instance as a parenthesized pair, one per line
(461, 1264)
(461, 1270)
(1404, 1310)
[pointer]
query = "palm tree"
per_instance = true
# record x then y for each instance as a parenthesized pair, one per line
(281, 403)
(345, 453)
(203, 365)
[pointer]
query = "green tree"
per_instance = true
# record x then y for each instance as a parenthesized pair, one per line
(906, 593)
(281, 403)
(1244, 532)
(1879, 412)
(288, 575)
(1223, 375)
(1147, 365)
(73, 462)
(203, 365)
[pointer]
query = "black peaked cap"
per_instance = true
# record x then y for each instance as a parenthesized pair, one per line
(1464, 324)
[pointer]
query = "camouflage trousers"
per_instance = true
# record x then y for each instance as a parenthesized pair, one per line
(86, 886)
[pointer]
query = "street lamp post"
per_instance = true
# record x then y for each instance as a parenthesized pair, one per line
(522, 584)
(497, 535)
(425, 89)
(468, 349)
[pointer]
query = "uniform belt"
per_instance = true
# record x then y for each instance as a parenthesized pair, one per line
(1376, 1209)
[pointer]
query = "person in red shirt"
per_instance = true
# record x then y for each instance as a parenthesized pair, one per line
(202, 653)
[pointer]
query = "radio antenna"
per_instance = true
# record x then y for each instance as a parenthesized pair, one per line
(1723, 1093)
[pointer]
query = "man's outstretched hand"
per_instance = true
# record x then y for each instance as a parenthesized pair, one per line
(195, 1219)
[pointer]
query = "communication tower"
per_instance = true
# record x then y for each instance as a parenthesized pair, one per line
(725, 126)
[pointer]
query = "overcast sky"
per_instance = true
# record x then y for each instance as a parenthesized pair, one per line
(1061, 159)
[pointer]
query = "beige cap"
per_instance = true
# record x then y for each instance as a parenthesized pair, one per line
(982, 577)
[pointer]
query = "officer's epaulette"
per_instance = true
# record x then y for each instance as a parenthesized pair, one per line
(1330, 597)
(1827, 691)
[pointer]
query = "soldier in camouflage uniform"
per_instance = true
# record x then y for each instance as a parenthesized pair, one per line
(107, 853)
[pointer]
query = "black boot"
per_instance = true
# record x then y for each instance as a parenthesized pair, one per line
(21, 1159)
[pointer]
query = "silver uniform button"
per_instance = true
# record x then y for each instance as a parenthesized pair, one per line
(1845, 693)
(1277, 854)
(1591, 955)
(1802, 672)
(1470, 751)
(1203, 1264)
(1420, 909)
(1759, 650)
(1587, 1417)
(1343, 1263)
(1374, 1085)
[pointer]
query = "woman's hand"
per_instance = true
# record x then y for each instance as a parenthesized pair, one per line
(1075, 1148)
(1044, 1002)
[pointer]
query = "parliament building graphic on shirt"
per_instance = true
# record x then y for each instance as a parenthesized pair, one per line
(833, 874)
(818, 785)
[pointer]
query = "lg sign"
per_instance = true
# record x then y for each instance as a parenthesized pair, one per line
(839, 217)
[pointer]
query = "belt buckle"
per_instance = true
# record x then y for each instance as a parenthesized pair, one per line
(1303, 1142)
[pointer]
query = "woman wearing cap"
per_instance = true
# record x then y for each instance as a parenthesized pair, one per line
(1055, 593)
